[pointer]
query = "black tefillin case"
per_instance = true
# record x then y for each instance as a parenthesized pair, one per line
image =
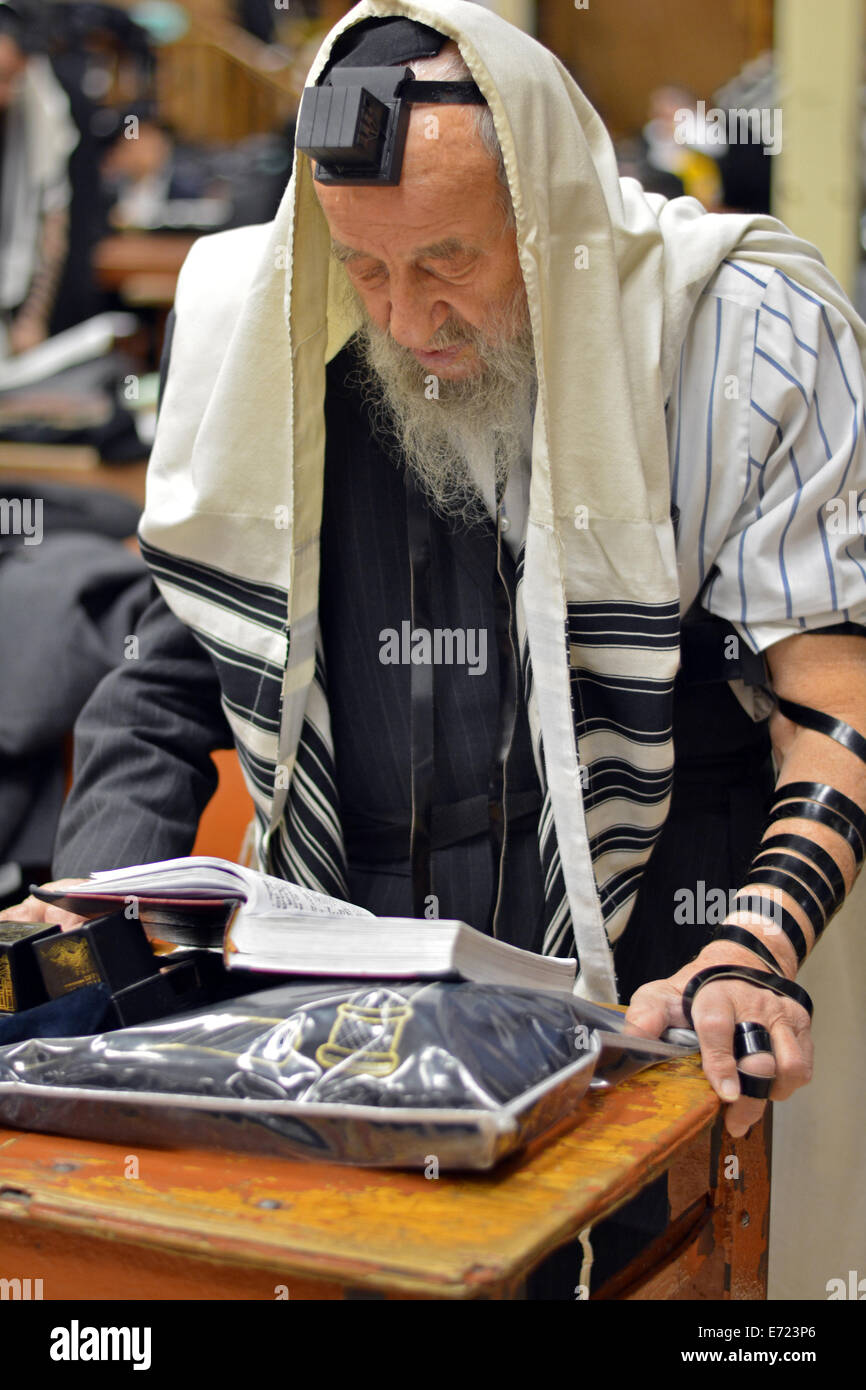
(112, 956)
(21, 983)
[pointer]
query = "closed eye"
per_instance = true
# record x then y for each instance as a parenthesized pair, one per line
(372, 275)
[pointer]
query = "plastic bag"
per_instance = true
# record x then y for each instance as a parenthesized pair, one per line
(357, 1072)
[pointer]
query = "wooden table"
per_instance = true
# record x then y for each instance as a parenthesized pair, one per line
(74, 464)
(216, 1225)
(127, 256)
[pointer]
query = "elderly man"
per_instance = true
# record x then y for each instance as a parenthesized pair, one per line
(478, 388)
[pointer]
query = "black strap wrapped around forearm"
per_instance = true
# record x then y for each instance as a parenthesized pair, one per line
(798, 892)
(815, 853)
(799, 869)
(825, 796)
(729, 931)
(778, 915)
(825, 724)
(813, 810)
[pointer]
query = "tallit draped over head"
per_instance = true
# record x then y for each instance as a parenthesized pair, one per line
(231, 526)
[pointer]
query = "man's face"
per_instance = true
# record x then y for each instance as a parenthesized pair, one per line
(12, 65)
(431, 258)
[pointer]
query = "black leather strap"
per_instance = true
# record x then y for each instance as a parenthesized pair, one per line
(802, 896)
(729, 931)
(778, 915)
(813, 810)
(443, 93)
(826, 796)
(421, 698)
(815, 853)
(750, 1039)
(786, 989)
(800, 870)
(825, 724)
(498, 806)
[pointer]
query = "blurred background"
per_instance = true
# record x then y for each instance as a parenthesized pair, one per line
(127, 129)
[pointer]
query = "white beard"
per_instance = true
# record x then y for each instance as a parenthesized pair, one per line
(464, 442)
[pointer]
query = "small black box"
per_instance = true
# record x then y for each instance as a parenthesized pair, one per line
(189, 983)
(21, 984)
(111, 950)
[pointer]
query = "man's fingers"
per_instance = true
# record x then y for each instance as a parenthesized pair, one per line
(714, 1021)
(746, 1111)
(654, 1008)
(715, 1029)
(29, 911)
(34, 910)
(716, 1011)
(793, 1054)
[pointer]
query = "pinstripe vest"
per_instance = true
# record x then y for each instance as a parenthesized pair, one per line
(364, 602)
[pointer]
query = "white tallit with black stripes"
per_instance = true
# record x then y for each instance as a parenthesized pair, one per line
(231, 527)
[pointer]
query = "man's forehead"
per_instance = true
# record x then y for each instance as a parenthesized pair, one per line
(445, 249)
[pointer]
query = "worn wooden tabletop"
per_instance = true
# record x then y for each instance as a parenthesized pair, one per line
(137, 1223)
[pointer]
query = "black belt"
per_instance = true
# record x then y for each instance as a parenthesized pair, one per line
(385, 836)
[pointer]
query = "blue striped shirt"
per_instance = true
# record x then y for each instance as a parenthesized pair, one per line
(766, 429)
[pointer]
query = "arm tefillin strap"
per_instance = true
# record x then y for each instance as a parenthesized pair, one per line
(825, 724)
(814, 853)
(827, 796)
(781, 918)
(728, 931)
(815, 881)
(813, 810)
(797, 868)
(811, 877)
(786, 989)
(805, 900)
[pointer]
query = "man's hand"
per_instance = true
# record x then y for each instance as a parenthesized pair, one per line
(33, 910)
(716, 1009)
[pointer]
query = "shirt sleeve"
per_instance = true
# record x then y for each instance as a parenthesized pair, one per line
(143, 770)
(794, 556)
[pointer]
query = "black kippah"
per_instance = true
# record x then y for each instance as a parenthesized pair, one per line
(383, 43)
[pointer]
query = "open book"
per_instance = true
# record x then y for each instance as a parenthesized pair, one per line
(265, 923)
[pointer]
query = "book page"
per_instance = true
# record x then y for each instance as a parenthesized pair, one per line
(262, 892)
(267, 895)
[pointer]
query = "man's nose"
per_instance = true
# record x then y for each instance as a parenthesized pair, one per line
(416, 313)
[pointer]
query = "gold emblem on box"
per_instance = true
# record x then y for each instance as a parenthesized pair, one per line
(7, 988)
(68, 964)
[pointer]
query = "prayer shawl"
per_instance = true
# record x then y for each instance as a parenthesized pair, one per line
(40, 137)
(231, 526)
